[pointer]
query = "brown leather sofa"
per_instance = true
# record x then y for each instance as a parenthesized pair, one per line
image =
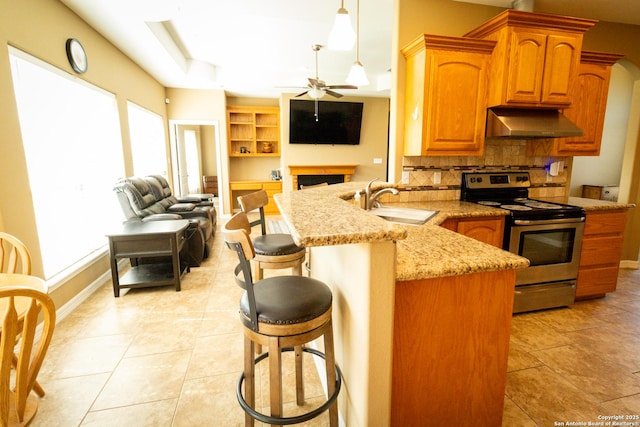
(150, 199)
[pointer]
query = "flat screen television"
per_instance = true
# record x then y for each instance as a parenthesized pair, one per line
(338, 123)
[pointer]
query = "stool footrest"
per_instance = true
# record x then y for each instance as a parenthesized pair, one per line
(289, 420)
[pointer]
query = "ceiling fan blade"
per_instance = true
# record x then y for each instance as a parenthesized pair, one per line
(342, 87)
(300, 94)
(334, 94)
(313, 82)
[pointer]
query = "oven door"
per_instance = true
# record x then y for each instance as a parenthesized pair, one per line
(551, 246)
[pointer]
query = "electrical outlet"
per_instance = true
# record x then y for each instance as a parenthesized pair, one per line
(405, 177)
(437, 177)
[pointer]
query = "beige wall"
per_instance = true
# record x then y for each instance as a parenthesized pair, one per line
(41, 28)
(373, 143)
(206, 107)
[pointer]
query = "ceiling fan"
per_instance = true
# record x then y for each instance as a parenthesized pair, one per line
(317, 88)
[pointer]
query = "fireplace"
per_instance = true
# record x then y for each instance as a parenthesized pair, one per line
(317, 174)
(304, 180)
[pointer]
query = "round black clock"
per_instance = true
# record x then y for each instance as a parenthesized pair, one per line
(77, 56)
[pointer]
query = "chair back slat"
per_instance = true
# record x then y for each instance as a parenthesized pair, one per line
(238, 230)
(256, 200)
(14, 256)
(238, 239)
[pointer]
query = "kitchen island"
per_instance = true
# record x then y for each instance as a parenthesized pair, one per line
(422, 314)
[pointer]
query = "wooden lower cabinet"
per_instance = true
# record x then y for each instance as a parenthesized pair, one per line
(238, 188)
(450, 350)
(601, 252)
(488, 230)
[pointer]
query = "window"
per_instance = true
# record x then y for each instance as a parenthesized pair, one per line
(148, 147)
(73, 148)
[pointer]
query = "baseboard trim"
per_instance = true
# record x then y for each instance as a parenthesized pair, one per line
(634, 265)
(82, 296)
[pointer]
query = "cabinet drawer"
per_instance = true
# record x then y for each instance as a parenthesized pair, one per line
(246, 186)
(601, 250)
(605, 223)
(596, 281)
(143, 246)
(275, 186)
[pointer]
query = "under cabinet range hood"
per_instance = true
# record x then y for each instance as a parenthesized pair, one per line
(529, 123)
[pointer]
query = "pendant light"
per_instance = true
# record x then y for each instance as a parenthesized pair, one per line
(342, 35)
(357, 76)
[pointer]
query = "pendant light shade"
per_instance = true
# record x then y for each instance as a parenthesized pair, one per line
(357, 76)
(342, 35)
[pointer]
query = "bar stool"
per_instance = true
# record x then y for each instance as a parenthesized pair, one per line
(281, 313)
(273, 251)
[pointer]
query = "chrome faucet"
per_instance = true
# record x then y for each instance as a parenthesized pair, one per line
(370, 200)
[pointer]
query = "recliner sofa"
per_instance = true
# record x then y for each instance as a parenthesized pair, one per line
(150, 199)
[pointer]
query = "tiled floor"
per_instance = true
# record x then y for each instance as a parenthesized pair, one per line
(155, 357)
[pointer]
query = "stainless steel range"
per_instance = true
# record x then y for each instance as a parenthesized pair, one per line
(548, 234)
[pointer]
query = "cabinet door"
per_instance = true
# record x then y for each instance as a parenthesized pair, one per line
(587, 111)
(562, 56)
(455, 103)
(488, 231)
(526, 67)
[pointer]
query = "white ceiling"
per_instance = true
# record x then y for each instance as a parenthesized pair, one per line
(254, 47)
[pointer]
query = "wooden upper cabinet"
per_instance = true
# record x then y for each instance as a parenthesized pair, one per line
(591, 90)
(445, 95)
(536, 58)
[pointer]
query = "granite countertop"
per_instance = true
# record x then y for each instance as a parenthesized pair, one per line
(598, 205)
(328, 215)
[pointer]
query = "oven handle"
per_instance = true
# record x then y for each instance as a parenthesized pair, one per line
(548, 221)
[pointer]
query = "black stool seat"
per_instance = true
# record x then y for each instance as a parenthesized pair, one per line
(287, 300)
(275, 244)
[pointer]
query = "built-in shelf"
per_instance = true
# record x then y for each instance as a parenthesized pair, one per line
(253, 131)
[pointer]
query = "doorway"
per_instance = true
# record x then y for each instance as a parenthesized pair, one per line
(195, 153)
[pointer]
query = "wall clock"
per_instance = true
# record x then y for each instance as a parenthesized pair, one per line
(77, 56)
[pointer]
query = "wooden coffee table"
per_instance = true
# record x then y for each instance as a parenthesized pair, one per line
(153, 239)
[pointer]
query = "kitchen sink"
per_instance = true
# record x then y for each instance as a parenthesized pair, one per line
(410, 216)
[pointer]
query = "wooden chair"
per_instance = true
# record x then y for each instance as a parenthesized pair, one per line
(15, 258)
(281, 313)
(21, 307)
(273, 251)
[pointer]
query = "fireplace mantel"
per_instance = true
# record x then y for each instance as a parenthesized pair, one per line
(346, 170)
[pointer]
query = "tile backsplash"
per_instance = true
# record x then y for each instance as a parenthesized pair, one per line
(499, 155)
